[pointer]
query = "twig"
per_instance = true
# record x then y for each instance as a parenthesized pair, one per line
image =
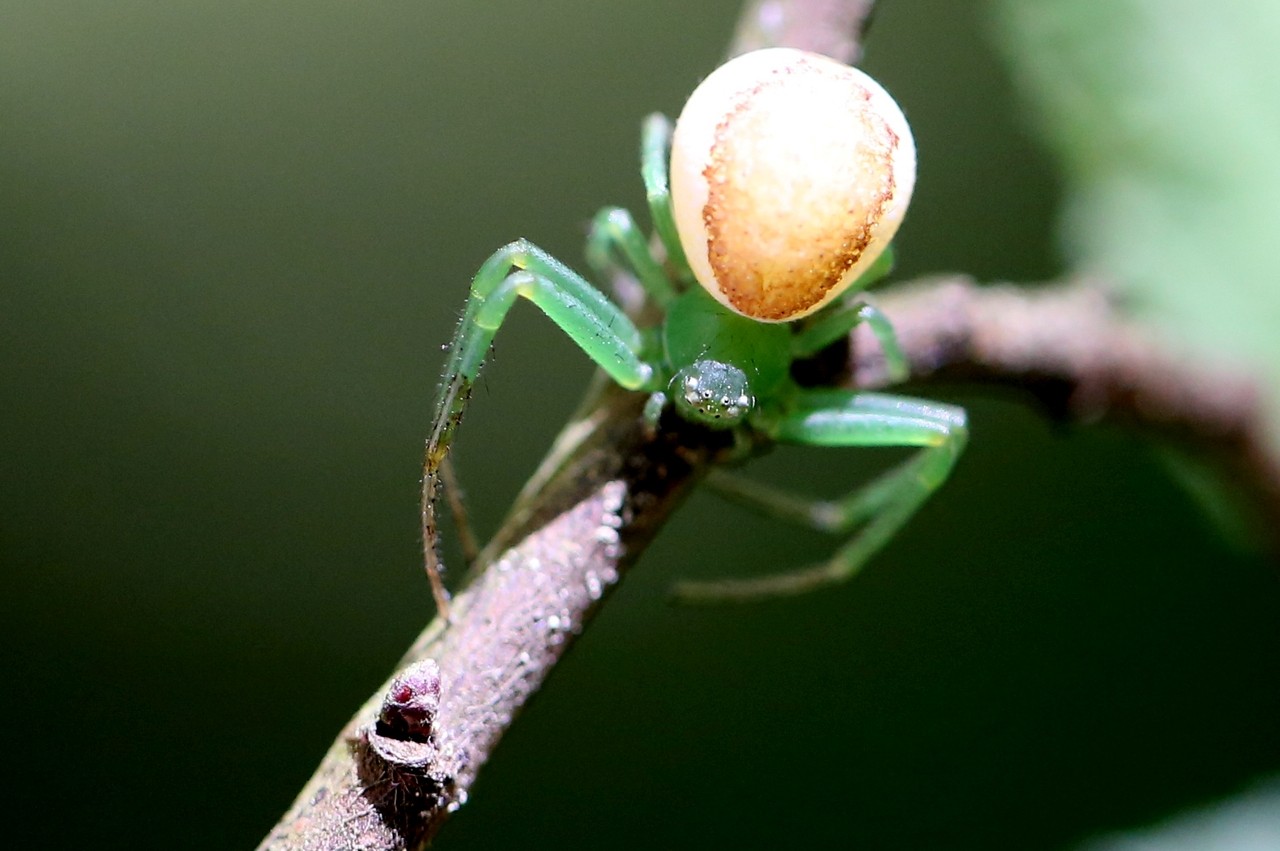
(831, 27)
(608, 486)
(609, 483)
(1065, 346)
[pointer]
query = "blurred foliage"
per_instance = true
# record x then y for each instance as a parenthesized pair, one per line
(235, 236)
(1165, 115)
(1249, 821)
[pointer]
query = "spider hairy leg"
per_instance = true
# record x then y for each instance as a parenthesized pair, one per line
(458, 512)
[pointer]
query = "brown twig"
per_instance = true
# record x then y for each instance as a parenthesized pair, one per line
(610, 483)
(830, 27)
(1067, 347)
(603, 498)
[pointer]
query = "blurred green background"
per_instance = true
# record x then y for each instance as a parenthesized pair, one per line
(235, 236)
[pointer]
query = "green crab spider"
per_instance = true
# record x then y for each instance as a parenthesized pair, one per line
(789, 175)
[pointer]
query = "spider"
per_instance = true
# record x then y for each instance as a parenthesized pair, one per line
(789, 175)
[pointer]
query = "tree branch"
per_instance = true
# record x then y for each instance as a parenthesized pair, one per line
(1066, 347)
(831, 27)
(609, 483)
(607, 486)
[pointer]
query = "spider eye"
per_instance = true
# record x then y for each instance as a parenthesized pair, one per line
(712, 393)
(790, 173)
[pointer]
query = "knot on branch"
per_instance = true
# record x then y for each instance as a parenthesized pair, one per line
(399, 760)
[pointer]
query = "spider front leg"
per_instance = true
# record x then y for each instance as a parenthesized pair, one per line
(616, 241)
(598, 326)
(841, 418)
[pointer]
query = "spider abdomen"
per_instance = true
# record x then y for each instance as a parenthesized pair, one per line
(790, 173)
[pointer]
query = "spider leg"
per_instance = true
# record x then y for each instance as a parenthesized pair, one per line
(655, 154)
(878, 510)
(457, 501)
(598, 326)
(616, 241)
(834, 323)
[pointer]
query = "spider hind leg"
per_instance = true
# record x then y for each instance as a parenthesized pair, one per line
(877, 510)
